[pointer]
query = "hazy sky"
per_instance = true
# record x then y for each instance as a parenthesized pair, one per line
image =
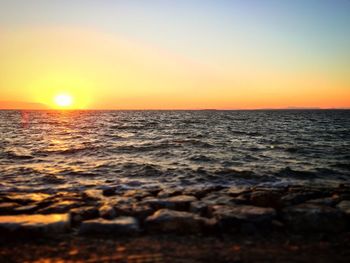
(176, 54)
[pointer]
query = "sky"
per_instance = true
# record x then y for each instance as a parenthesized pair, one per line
(175, 54)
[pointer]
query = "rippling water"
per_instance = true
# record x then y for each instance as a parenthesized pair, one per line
(74, 150)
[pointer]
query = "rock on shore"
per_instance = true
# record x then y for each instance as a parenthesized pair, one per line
(35, 224)
(117, 226)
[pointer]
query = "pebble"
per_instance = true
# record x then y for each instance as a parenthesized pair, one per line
(80, 214)
(107, 212)
(180, 202)
(165, 220)
(60, 207)
(117, 226)
(234, 216)
(35, 224)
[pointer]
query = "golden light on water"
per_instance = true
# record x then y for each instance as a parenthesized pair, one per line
(63, 100)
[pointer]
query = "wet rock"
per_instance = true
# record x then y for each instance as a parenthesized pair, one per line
(242, 215)
(107, 212)
(24, 198)
(344, 206)
(8, 208)
(136, 210)
(298, 198)
(80, 214)
(201, 191)
(218, 198)
(58, 208)
(180, 202)
(327, 201)
(121, 200)
(34, 224)
(311, 217)
(138, 194)
(27, 209)
(237, 190)
(117, 226)
(165, 220)
(265, 198)
(92, 194)
(199, 207)
(170, 192)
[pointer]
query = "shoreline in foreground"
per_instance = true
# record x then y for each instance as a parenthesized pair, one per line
(193, 224)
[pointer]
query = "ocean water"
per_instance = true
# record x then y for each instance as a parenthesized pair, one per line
(55, 151)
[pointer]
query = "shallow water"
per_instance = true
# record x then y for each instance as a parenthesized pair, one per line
(73, 150)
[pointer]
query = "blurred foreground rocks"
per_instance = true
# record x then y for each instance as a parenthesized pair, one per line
(207, 209)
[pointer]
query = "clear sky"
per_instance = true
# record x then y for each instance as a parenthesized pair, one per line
(175, 54)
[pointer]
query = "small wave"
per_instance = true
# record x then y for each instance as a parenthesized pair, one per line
(144, 147)
(193, 142)
(52, 179)
(18, 153)
(342, 165)
(289, 172)
(137, 169)
(69, 151)
(235, 173)
(200, 158)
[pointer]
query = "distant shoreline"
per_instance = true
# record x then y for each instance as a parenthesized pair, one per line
(262, 109)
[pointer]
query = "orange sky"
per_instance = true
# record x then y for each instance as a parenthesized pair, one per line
(110, 70)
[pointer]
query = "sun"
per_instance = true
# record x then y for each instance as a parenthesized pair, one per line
(63, 100)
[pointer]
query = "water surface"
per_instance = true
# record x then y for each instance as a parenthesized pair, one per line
(74, 150)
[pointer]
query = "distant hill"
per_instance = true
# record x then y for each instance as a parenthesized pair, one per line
(21, 105)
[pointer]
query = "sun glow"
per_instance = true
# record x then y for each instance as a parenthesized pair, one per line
(63, 100)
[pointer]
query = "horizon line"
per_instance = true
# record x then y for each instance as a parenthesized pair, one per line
(181, 109)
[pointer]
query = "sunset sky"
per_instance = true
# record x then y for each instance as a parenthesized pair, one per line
(180, 54)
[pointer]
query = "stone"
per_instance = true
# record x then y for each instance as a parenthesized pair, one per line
(165, 220)
(80, 214)
(265, 198)
(199, 207)
(217, 198)
(138, 194)
(235, 216)
(92, 194)
(311, 217)
(107, 212)
(27, 198)
(298, 198)
(58, 208)
(34, 224)
(27, 209)
(201, 191)
(170, 192)
(121, 200)
(344, 206)
(139, 211)
(180, 202)
(117, 226)
(8, 208)
(237, 190)
(327, 201)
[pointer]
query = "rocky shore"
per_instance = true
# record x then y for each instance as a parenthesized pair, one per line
(211, 211)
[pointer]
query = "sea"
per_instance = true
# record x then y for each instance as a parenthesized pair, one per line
(53, 151)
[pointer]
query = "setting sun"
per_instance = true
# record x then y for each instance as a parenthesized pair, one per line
(63, 100)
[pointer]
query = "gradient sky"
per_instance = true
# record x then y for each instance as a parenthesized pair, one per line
(162, 54)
